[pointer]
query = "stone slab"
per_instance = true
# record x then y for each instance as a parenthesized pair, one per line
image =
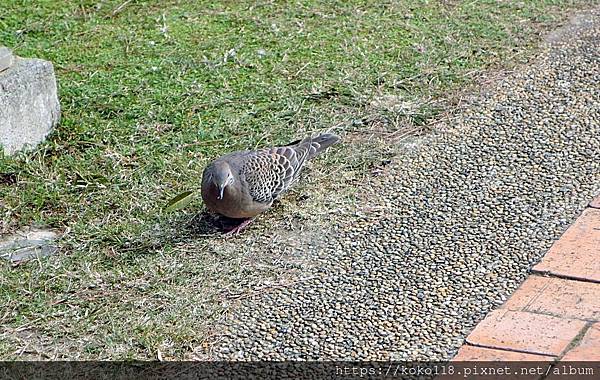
(29, 106)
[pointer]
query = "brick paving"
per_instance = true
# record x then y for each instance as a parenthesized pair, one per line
(468, 353)
(555, 314)
(576, 254)
(526, 332)
(588, 348)
(558, 297)
(595, 203)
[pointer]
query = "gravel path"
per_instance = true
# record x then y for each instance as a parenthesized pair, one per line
(450, 228)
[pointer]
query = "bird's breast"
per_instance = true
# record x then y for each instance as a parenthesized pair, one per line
(234, 203)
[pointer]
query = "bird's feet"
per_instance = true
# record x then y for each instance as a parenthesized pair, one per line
(239, 228)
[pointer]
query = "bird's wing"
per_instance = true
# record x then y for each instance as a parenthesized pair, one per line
(270, 172)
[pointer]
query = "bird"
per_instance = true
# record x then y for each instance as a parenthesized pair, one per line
(244, 184)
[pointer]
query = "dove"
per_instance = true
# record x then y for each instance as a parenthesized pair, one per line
(243, 184)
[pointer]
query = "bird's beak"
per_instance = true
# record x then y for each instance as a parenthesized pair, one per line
(221, 189)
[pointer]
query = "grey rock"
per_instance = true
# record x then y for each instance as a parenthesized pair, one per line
(29, 106)
(6, 58)
(28, 244)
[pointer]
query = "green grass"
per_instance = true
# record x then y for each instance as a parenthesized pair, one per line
(150, 91)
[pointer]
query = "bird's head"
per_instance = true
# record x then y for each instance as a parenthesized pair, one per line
(222, 177)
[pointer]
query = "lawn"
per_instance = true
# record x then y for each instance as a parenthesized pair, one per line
(150, 91)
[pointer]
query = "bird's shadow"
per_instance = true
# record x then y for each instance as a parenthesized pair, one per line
(207, 224)
(201, 225)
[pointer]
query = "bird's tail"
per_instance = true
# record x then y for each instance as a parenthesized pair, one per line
(317, 144)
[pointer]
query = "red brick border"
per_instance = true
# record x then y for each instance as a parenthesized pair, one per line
(595, 203)
(576, 254)
(555, 313)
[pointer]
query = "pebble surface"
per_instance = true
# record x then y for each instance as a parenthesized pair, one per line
(450, 228)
